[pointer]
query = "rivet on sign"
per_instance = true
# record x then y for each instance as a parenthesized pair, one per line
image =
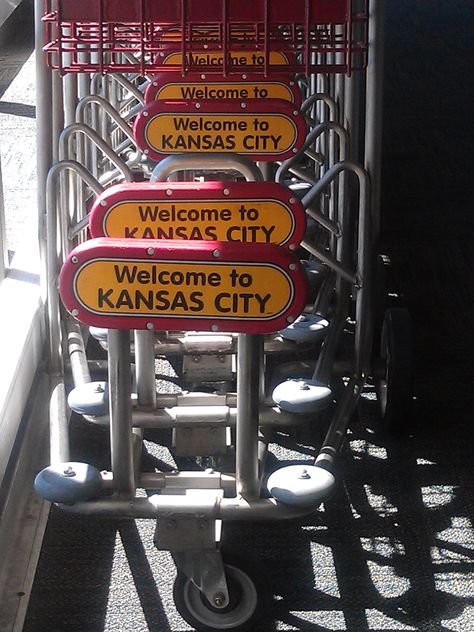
(226, 191)
(292, 200)
(169, 191)
(103, 203)
(292, 266)
(75, 312)
(145, 113)
(295, 112)
(74, 259)
(294, 150)
(146, 151)
(150, 326)
(154, 84)
(214, 327)
(292, 83)
(203, 76)
(290, 319)
(216, 253)
(197, 106)
(206, 46)
(292, 247)
(244, 76)
(243, 105)
(151, 251)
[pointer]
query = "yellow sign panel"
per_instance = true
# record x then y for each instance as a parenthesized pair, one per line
(168, 133)
(236, 59)
(256, 221)
(177, 289)
(220, 90)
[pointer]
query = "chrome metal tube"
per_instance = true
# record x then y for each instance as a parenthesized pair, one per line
(145, 368)
(322, 98)
(162, 505)
(249, 354)
(337, 430)
(329, 260)
(211, 414)
(364, 257)
(58, 423)
(53, 250)
(88, 132)
(77, 353)
(373, 109)
(109, 109)
(121, 440)
(44, 134)
(206, 162)
(316, 133)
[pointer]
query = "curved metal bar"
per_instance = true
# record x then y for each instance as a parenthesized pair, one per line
(325, 98)
(128, 85)
(364, 242)
(121, 123)
(107, 107)
(310, 139)
(81, 128)
(123, 81)
(208, 162)
(55, 250)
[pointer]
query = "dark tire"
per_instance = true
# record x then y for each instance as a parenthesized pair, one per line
(246, 608)
(395, 380)
(379, 300)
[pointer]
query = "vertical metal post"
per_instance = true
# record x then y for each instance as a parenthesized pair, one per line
(249, 358)
(59, 424)
(44, 139)
(145, 367)
(373, 110)
(121, 440)
(354, 87)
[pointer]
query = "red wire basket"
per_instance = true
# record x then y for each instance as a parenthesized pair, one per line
(212, 36)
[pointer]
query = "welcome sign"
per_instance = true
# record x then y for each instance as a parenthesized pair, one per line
(194, 86)
(266, 130)
(208, 286)
(250, 212)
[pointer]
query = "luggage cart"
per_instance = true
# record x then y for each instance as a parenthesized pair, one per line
(205, 208)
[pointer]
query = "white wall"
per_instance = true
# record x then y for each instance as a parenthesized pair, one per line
(7, 7)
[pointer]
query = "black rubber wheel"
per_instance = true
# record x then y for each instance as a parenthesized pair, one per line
(246, 607)
(395, 380)
(379, 300)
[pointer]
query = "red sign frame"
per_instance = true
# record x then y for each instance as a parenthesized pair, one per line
(209, 126)
(87, 292)
(143, 199)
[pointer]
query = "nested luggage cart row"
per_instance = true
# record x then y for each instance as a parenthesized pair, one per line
(210, 227)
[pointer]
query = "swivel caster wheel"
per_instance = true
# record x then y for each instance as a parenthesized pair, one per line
(245, 609)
